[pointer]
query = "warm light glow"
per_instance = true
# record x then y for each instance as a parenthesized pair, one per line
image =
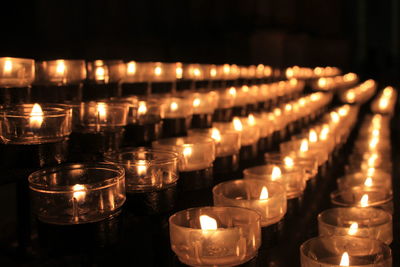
(196, 102)
(187, 151)
(232, 91)
(237, 124)
(158, 71)
(179, 72)
(364, 201)
(345, 261)
(350, 96)
(173, 106)
(368, 182)
(323, 135)
(353, 228)
(196, 72)
(60, 67)
(216, 135)
(304, 145)
(388, 91)
(36, 116)
(245, 88)
(312, 136)
(288, 107)
(373, 142)
(100, 73)
(141, 168)
(101, 111)
(276, 173)
(372, 159)
(208, 223)
(288, 162)
(264, 193)
(334, 116)
(370, 172)
(213, 72)
(131, 68)
(79, 192)
(227, 69)
(142, 109)
(383, 103)
(251, 120)
(322, 82)
(7, 66)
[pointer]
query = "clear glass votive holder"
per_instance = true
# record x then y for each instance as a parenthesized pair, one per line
(267, 198)
(383, 179)
(363, 197)
(77, 193)
(293, 179)
(16, 72)
(146, 169)
(215, 236)
(335, 251)
(361, 222)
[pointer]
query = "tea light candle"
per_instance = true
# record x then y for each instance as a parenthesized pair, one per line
(204, 104)
(59, 81)
(241, 100)
(144, 122)
(196, 233)
(176, 115)
(267, 198)
(385, 102)
(16, 77)
(344, 251)
(363, 197)
(375, 178)
(104, 78)
(361, 222)
(77, 193)
(99, 129)
(150, 178)
(133, 82)
(33, 135)
(196, 156)
(224, 109)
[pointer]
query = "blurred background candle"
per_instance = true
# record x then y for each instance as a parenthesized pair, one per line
(98, 129)
(385, 102)
(133, 82)
(150, 178)
(224, 109)
(196, 233)
(361, 222)
(104, 78)
(59, 81)
(227, 146)
(144, 122)
(16, 77)
(204, 104)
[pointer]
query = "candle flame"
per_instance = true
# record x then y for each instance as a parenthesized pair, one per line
(288, 162)
(101, 111)
(142, 109)
(372, 159)
(364, 201)
(208, 223)
(232, 91)
(141, 168)
(313, 137)
(196, 102)
(158, 71)
(187, 151)
(251, 120)
(276, 173)
(216, 135)
(322, 82)
(335, 117)
(7, 66)
(100, 73)
(288, 107)
(353, 228)
(131, 67)
(264, 193)
(179, 72)
(383, 103)
(368, 182)
(304, 145)
(196, 72)
(79, 192)
(245, 88)
(350, 96)
(36, 116)
(60, 68)
(173, 106)
(370, 171)
(345, 261)
(237, 124)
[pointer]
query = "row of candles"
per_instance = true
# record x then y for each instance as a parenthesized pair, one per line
(358, 231)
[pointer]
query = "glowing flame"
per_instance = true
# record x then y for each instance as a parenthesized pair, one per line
(335, 117)
(322, 82)
(131, 68)
(345, 261)
(251, 120)
(323, 135)
(187, 151)
(141, 168)
(245, 88)
(60, 68)
(179, 72)
(371, 171)
(313, 137)
(364, 201)
(388, 91)
(173, 106)
(368, 182)
(288, 107)
(36, 116)
(372, 159)
(353, 228)
(100, 73)
(158, 71)
(7, 66)
(216, 135)
(350, 96)
(101, 111)
(264, 193)
(304, 145)
(208, 223)
(196, 72)
(232, 91)
(383, 103)
(79, 192)
(142, 109)
(237, 124)
(373, 142)
(288, 162)
(196, 102)
(276, 173)
(213, 72)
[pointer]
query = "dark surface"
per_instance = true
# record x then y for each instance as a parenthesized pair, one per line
(201, 121)
(223, 115)
(175, 127)
(142, 134)
(96, 91)
(56, 93)
(15, 95)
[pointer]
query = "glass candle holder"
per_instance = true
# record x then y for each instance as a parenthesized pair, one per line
(16, 77)
(226, 99)
(177, 114)
(99, 129)
(345, 251)
(59, 81)
(146, 169)
(267, 198)
(196, 154)
(77, 193)
(363, 197)
(204, 104)
(144, 122)
(34, 135)
(104, 78)
(302, 150)
(359, 179)
(215, 236)
(293, 178)
(361, 222)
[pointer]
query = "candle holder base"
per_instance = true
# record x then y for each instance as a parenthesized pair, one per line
(142, 134)
(271, 234)
(223, 115)
(226, 168)
(201, 121)
(15, 95)
(175, 127)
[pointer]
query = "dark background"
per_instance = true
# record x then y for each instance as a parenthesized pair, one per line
(356, 35)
